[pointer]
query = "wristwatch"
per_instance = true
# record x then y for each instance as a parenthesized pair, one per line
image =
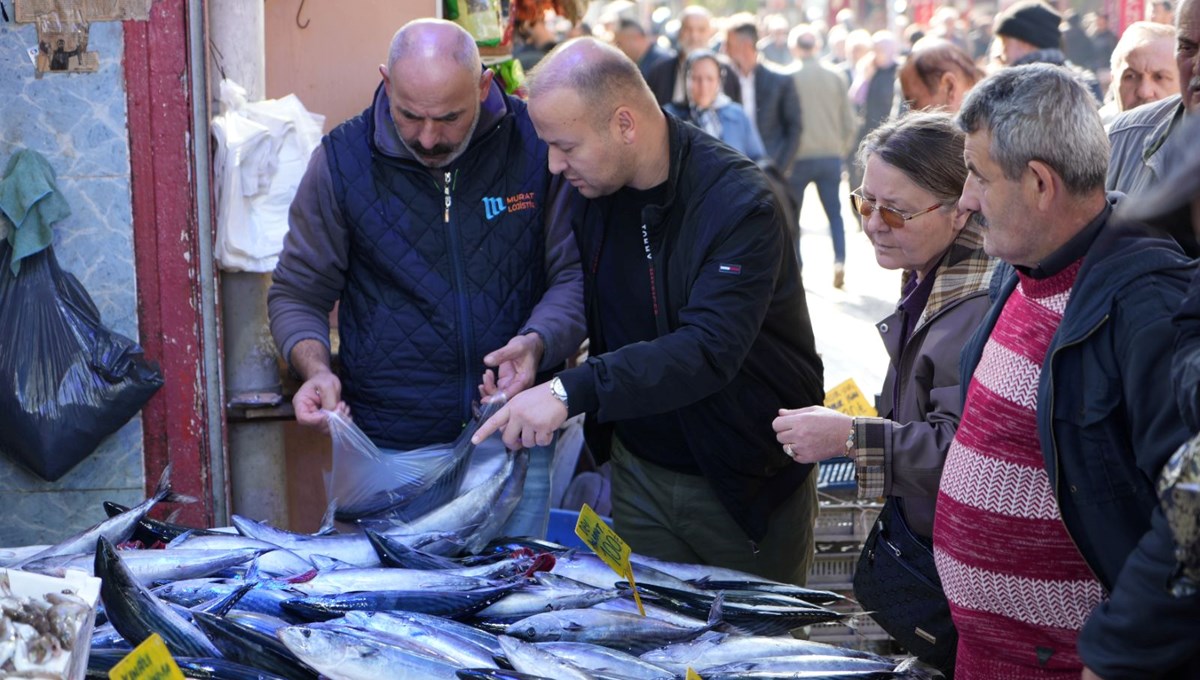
(557, 389)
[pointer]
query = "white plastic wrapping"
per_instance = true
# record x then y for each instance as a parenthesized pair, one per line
(263, 149)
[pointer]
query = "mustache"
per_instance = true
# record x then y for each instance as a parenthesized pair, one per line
(978, 220)
(437, 150)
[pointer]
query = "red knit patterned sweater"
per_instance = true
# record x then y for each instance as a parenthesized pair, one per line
(1019, 590)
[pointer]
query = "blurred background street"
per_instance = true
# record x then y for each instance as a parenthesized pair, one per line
(844, 320)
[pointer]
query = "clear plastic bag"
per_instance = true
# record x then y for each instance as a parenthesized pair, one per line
(369, 482)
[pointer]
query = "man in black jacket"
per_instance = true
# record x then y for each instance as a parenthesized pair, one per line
(769, 96)
(698, 325)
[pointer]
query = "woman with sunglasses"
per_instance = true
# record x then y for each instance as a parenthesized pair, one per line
(913, 176)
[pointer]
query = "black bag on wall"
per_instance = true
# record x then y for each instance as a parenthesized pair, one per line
(66, 381)
(897, 582)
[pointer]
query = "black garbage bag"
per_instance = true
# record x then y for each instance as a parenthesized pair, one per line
(66, 381)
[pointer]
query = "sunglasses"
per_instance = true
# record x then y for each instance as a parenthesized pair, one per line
(893, 218)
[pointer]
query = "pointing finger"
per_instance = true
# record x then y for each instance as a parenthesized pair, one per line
(491, 425)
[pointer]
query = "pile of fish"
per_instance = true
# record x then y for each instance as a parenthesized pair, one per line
(438, 597)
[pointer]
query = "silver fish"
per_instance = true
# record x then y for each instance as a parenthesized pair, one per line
(471, 634)
(449, 603)
(628, 632)
(474, 513)
(352, 548)
(606, 661)
(149, 566)
(463, 651)
(527, 658)
(136, 613)
(352, 580)
(714, 649)
(536, 599)
(253, 648)
(799, 667)
(116, 529)
(590, 569)
(340, 655)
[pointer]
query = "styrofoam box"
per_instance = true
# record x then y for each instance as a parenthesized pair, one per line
(25, 584)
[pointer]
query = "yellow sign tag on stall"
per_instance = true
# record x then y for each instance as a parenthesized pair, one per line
(847, 398)
(608, 546)
(148, 661)
(693, 675)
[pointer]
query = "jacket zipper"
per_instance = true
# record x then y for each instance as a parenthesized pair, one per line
(1054, 445)
(461, 302)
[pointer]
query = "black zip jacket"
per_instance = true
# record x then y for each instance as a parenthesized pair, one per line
(734, 339)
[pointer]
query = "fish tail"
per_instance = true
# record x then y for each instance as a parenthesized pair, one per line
(164, 484)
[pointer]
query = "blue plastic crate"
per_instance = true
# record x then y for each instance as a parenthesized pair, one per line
(562, 527)
(836, 474)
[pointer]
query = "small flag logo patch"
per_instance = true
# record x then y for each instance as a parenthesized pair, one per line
(734, 269)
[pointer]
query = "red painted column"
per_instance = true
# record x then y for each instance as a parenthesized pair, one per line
(157, 75)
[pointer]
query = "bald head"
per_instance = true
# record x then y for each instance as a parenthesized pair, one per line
(600, 74)
(435, 84)
(434, 41)
(598, 117)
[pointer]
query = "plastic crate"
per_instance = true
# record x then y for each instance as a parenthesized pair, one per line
(836, 474)
(845, 521)
(833, 570)
(561, 529)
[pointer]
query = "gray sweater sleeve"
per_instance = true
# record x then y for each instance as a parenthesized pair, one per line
(558, 316)
(309, 277)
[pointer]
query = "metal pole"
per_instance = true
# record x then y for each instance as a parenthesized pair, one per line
(257, 463)
(208, 294)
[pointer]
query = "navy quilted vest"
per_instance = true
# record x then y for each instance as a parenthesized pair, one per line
(430, 291)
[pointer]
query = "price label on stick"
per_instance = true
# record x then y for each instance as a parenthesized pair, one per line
(608, 546)
(693, 675)
(148, 661)
(847, 398)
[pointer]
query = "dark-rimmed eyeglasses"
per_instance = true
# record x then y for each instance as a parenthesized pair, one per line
(893, 218)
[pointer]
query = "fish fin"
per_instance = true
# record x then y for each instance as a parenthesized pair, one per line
(701, 581)
(575, 627)
(222, 607)
(717, 612)
(327, 527)
(913, 668)
(252, 574)
(164, 483)
(325, 562)
(173, 497)
(173, 517)
(180, 539)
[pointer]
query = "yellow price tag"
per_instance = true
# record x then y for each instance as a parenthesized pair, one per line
(608, 546)
(148, 661)
(847, 398)
(693, 675)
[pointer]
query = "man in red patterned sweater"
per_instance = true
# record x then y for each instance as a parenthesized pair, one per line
(1048, 537)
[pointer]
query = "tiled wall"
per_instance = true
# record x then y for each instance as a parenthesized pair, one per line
(79, 123)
